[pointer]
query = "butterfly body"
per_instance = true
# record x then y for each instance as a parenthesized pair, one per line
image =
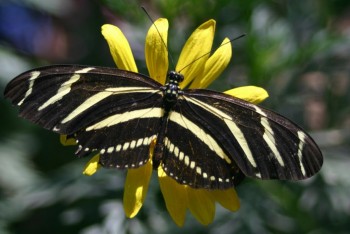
(203, 138)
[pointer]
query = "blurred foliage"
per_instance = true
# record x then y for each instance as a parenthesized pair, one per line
(298, 50)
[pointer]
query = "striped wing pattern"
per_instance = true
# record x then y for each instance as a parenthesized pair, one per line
(100, 107)
(260, 142)
(208, 139)
(196, 158)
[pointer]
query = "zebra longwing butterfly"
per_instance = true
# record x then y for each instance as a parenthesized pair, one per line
(204, 139)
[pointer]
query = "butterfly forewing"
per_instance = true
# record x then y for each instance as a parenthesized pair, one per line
(111, 111)
(262, 143)
(68, 98)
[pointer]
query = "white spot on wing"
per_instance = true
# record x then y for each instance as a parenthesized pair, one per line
(176, 151)
(199, 170)
(171, 148)
(139, 142)
(118, 147)
(126, 145)
(132, 144)
(187, 160)
(110, 149)
(181, 156)
(55, 129)
(150, 139)
(192, 164)
(145, 141)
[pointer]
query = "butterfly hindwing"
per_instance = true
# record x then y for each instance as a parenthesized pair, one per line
(262, 143)
(123, 139)
(192, 154)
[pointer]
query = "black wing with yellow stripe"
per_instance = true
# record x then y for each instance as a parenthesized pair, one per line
(201, 138)
(107, 110)
(263, 144)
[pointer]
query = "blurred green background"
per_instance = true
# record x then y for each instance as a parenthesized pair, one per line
(298, 50)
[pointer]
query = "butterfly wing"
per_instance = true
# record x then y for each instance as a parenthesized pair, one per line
(111, 111)
(211, 137)
(223, 133)
(193, 156)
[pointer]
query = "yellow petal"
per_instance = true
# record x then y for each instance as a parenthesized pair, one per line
(201, 205)
(251, 94)
(65, 140)
(227, 198)
(215, 65)
(195, 53)
(135, 189)
(156, 51)
(92, 166)
(175, 197)
(119, 48)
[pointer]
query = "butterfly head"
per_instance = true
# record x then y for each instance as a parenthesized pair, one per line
(175, 77)
(172, 89)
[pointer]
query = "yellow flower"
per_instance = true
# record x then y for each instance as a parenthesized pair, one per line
(198, 73)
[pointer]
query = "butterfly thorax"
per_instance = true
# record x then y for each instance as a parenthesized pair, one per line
(172, 89)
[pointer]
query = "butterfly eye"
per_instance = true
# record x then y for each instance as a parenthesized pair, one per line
(180, 77)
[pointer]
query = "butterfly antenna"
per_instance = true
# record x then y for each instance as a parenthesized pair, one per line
(150, 18)
(231, 40)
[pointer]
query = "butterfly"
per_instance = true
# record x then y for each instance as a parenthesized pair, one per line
(201, 138)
